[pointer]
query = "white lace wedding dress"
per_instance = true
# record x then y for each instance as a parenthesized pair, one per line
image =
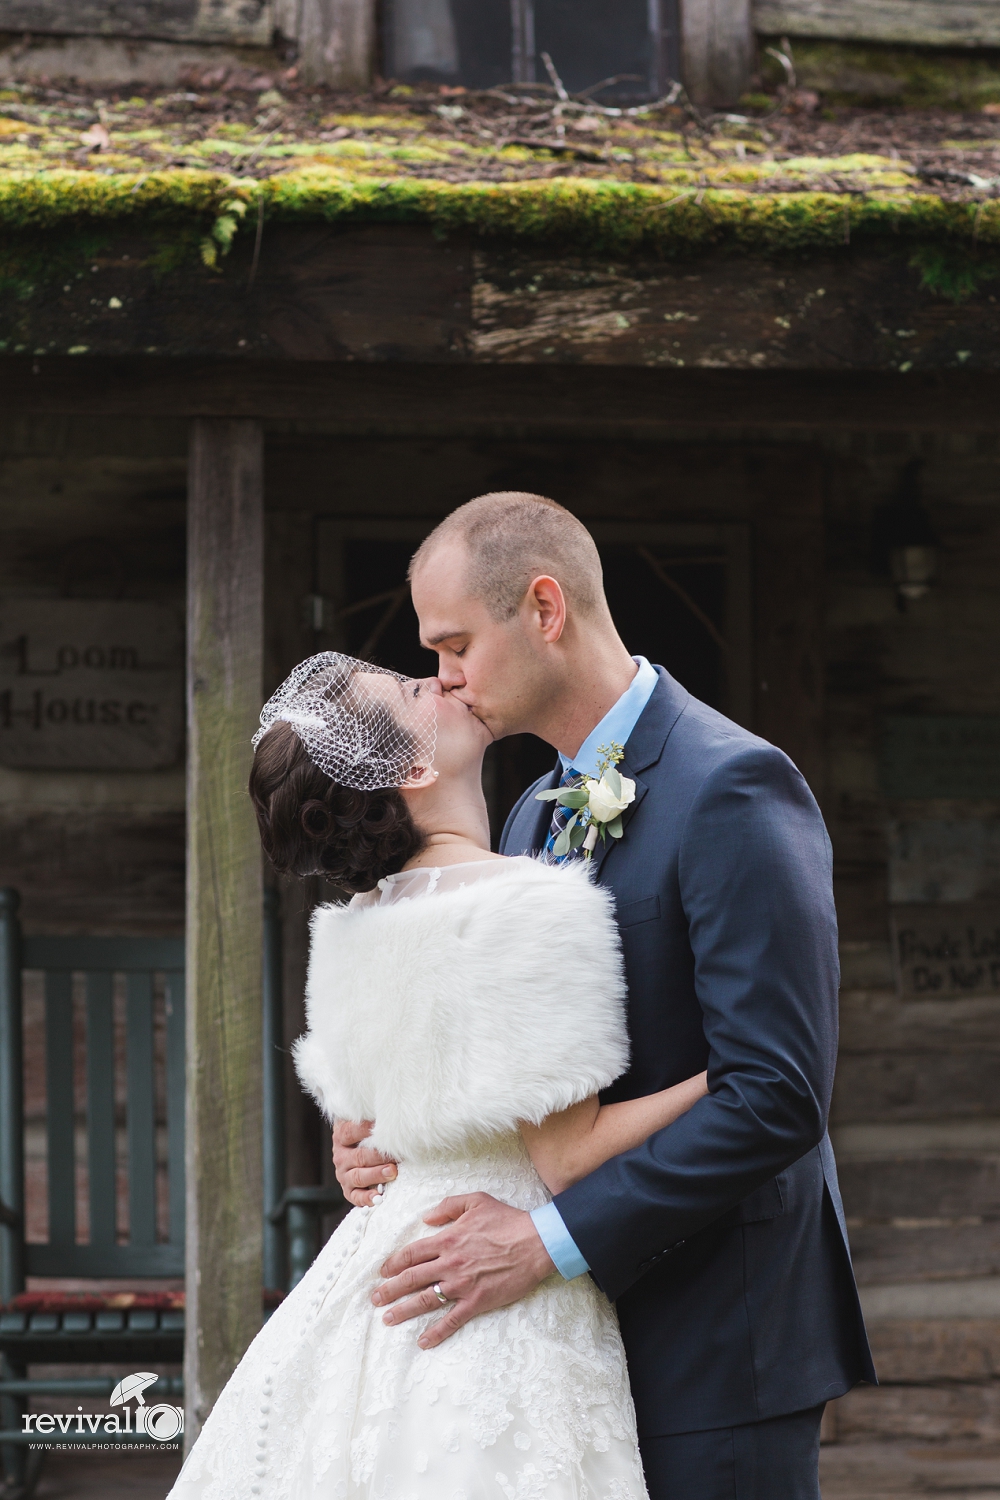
(448, 1005)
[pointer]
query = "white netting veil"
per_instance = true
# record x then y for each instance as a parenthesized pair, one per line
(365, 726)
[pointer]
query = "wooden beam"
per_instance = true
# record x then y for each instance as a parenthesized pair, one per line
(716, 49)
(337, 42)
(224, 908)
(392, 294)
(915, 23)
(504, 400)
(245, 22)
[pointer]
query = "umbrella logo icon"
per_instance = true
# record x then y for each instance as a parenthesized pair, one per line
(162, 1421)
(132, 1385)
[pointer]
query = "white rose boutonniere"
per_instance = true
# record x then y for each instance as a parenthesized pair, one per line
(597, 805)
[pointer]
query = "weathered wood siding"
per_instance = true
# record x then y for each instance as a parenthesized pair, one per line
(912, 23)
(387, 293)
(93, 509)
(336, 38)
(247, 22)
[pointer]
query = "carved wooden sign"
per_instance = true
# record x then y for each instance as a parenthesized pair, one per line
(90, 685)
(947, 951)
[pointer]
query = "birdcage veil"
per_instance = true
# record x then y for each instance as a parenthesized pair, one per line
(365, 726)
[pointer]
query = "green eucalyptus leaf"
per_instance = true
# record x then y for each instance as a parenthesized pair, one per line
(614, 781)
(564, 842)
(574, 797)
(548, 796)
(615, 829)
(578, 835)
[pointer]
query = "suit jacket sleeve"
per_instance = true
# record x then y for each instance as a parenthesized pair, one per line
(755, 883)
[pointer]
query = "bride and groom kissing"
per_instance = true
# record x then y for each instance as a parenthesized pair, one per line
(597, 1250)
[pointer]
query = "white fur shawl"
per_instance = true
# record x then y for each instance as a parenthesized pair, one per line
(449, 1018)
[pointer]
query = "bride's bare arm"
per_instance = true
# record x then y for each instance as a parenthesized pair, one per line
(569, 1145)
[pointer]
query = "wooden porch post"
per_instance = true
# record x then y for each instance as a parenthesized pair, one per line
(716, 49)
(224, 907)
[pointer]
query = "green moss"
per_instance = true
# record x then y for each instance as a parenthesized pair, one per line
(62, 198)
(954, 273)
(626, 219)
(184, 213)
(870, 73)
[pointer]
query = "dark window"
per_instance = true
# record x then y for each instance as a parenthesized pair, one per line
(482, 43)
(590, 40)
(449, 41)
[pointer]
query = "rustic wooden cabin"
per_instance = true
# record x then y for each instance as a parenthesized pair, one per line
(255, 342)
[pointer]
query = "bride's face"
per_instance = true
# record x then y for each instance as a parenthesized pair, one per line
(461, 737)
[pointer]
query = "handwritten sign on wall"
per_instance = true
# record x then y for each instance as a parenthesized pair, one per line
(90, 685)
(947, 951)
(940, 755)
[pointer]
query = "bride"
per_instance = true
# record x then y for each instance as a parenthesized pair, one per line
(472, 1006)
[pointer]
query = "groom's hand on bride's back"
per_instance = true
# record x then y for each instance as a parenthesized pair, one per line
(359, 1169)
(489, 1256)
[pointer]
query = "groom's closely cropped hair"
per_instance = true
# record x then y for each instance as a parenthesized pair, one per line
(511, 537)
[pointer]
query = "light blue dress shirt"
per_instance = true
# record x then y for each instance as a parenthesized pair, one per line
(617, 724)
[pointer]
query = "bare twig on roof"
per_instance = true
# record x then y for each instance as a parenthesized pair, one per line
(557, 82)
(568, 148)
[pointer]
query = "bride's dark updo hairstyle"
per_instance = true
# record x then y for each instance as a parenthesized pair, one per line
(311, 826)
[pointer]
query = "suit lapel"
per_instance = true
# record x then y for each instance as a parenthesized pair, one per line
(644, 748)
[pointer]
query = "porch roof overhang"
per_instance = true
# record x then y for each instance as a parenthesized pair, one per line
(397, 232)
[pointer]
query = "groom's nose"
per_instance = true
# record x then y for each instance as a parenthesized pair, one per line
(450, 674)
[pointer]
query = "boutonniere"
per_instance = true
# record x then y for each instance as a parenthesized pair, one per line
(596, 806)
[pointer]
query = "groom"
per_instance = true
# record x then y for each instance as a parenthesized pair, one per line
(722, 1238)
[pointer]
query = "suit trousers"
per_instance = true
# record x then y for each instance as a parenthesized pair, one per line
(773, 1460)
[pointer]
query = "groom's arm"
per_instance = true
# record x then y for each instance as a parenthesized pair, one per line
(756, 888)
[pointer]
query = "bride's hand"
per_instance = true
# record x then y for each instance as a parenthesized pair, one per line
(359, 1169)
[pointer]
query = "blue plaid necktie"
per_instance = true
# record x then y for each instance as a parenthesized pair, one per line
(560, 817)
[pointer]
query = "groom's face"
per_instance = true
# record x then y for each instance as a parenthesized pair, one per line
(494, 666)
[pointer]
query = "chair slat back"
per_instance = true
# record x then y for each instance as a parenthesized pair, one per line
(60, 1144)
(139, 960)
(100, 1109)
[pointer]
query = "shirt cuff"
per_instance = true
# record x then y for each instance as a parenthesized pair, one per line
(558, 1241)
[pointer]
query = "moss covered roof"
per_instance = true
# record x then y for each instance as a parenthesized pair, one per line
(782, 174)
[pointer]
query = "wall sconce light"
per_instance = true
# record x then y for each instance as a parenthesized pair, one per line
(912, 545)
(913, 570)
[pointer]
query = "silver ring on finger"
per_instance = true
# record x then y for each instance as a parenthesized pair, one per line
(439, 1294)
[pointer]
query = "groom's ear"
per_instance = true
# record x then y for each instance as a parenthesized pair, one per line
(546, 605)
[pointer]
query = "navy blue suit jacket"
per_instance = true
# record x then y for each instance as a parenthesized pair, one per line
(722, 1239)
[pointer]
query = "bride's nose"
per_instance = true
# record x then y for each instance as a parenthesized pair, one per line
(431, 685)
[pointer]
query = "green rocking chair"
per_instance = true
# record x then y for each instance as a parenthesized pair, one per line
(128, 1328)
